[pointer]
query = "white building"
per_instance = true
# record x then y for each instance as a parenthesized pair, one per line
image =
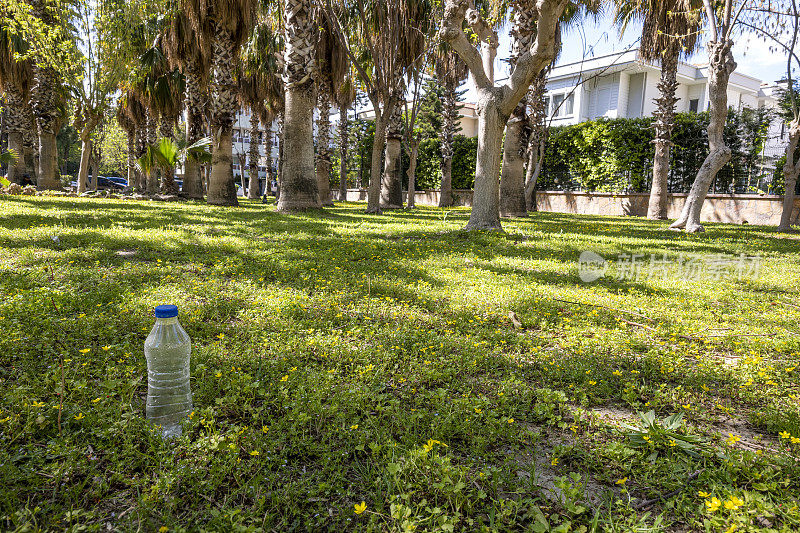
(241, 148)
(621, 85)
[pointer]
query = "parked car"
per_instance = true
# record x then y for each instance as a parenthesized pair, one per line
(103, 183)
(121, 181)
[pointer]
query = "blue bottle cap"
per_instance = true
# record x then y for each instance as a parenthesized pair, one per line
(166, 311)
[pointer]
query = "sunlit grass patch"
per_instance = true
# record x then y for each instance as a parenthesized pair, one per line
(340, 358)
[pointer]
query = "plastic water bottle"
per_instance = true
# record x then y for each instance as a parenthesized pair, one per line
(168, 349)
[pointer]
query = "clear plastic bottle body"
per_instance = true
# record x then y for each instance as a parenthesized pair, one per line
(169, 397)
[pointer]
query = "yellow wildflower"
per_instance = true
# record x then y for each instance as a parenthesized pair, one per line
(713, 504)
(733, 503)
(360, 507)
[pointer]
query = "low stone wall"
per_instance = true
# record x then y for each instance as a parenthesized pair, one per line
(763, 210)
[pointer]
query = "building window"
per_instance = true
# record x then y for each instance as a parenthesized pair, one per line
(694, 105)
(563, 105)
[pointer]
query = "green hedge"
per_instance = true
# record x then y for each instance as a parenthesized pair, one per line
(617, 154)
(612, 155)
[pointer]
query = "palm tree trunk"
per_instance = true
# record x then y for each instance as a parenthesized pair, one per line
(537, 138)
(323, 143)
(141, 146)
(665, 121)
(449, 118)
(534, 170)
(16, 168)
(151, 181)
(15, 125)
(221, 183)
(280, 155)
(721, 65)
(30, 146)
(192, 171)
(268, 155)
(378, 141)
(411, 173)
(343, 133)
(45, 100)
(392, 186)
(512, 176)
(131, 157)
(299, 190)
(253, 183)
(791, 170)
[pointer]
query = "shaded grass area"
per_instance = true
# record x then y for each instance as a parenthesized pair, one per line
(340, 358)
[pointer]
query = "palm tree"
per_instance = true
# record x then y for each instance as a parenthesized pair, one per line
(332, 67)
(512, 175)
(450, 71)
(299, 190)
(183, 49)
(15, 81)
(383, 40)
(48, 102)
(345, 95)
(222, 25)
(128, 126)
(669, 32)
(133, 114)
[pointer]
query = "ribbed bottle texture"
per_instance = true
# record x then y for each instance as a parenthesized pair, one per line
(169, 397)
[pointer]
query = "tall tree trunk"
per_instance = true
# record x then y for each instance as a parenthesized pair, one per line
(512, 176)
(411, 173)
(537, 138)
(532, 173)
(253, 181)
(392, 185)
(324, 141)
(16, 168)
(449, 121)
(267, 140)
(721, 65)
(46, 102)
(665, 121)
(299, 190)
(192, 170)
(95, 164)
(15, 125)
(131, 134)
(791, 170)
(343, 133)
(151, 180)
(168, 185)
(485, 213)
(83, 170)
(141, 147)
(30, 142)
(281, 159)
(221, 183)
(374, 191)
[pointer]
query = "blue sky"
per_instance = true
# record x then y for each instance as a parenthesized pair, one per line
(596, 38)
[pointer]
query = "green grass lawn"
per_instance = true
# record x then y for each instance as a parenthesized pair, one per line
(341, 358)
